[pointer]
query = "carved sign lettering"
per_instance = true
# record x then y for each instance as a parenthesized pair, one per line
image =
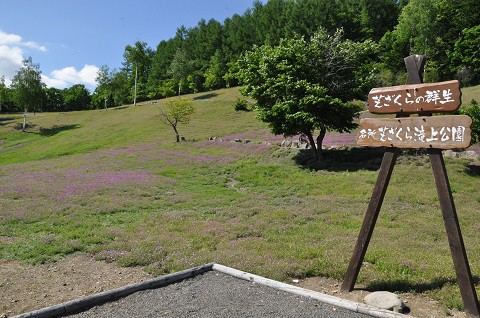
(418, 98)
(442, 132)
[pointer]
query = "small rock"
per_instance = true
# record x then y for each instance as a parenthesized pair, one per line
(385, 300)
(304, 146)
(238, 140)
(286, 143)
(469, 154)
(449, 153)
(295, 281)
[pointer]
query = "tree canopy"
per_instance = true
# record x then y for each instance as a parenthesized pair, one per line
(305, 85)
(177, 111)
(28, 88)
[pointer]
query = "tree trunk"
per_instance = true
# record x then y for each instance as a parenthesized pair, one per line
(177, 136)
(24, 122)
(318, 154)
(179, 85)
(320, 137)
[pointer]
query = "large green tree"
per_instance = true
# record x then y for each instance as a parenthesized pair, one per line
(466, 56)
(181, 67)
(430, 27)
(112, 89)
(159, 75)
(3, 93)
(54, 101)
(305, 86)
(105, 87)
(137, 64)
(452, 18)
(77, 97)
(214, 75)
(28, 88)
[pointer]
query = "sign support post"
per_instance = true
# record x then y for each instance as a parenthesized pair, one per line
(414, 65)
(455, 240)
(386, 168)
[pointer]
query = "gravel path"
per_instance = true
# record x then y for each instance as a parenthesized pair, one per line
(215, 294)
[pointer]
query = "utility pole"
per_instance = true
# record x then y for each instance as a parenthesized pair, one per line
(135, 90)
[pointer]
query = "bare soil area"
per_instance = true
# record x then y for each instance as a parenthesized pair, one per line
(25, 287)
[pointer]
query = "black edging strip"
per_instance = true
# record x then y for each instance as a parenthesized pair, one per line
(77, 305)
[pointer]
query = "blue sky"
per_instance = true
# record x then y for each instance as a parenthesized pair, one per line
(72, 39)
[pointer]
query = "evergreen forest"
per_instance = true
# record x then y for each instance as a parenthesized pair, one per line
(204, 57)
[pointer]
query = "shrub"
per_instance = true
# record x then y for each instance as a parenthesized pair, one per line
(240, 104)
(473, 110)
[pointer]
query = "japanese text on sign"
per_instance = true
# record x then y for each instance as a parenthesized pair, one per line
(443, 132)
(407, 98)
(455, 134)
(416, 98)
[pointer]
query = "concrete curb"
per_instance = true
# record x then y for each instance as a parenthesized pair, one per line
(331, 300)
(96, 299)
(80, 304)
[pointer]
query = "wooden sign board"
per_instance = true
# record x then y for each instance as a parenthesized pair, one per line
(417, 98)
(441, 132)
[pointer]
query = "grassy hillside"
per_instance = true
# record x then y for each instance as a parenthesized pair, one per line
(113, 183)
(56, 134)
(470, 93)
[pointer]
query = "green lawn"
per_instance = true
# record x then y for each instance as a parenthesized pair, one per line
(113, 183)
(470, 93)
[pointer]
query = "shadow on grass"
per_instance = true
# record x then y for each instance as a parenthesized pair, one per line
(2, 119)
(404, 286)
(473, 170)
(47, 132)
(206, 96)
(19, 126)
(119, 108)
(353, 159)
(6, 120)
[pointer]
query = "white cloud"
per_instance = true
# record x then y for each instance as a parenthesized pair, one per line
(52, 82)
(35, 45)
(11, 54)
(69, 75)
(16, 41)
(9, 39)
(10, 60)
(12, 51)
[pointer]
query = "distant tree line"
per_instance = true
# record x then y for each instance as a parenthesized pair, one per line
(28, 94)
(205, 57)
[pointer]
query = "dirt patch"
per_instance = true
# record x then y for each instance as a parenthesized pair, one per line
(25, 287)
(420, 306)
